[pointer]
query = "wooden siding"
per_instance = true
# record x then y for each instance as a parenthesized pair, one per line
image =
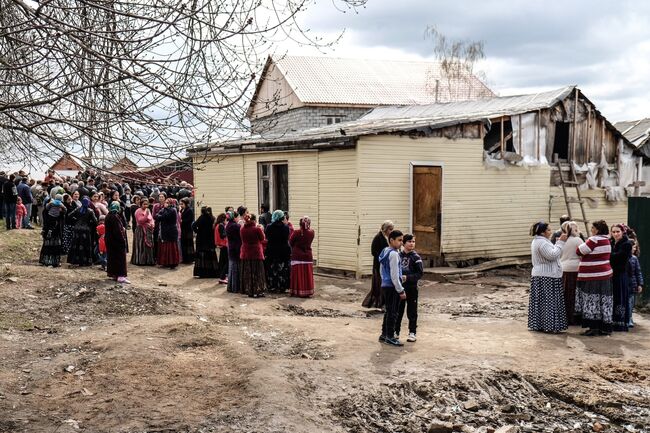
(485, 212)
(275, 95)
(338, 204)
(612, 212)
(232, 181)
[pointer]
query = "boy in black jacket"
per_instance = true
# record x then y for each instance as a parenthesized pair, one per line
(412, 270)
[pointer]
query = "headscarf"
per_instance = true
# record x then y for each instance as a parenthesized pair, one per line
(84, 205)
(115, 207)
(231, 215)
(305, 223)
(59, 197)
(278, 215)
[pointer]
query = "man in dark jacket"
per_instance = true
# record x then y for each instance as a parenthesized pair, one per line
(412, 271)
(10, 193)
(265, 215)
(3, 179)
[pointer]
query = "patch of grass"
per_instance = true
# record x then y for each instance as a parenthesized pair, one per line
(15, 321)
(19, 246)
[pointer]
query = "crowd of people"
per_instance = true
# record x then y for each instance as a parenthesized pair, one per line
(590, 282)
(89, 220)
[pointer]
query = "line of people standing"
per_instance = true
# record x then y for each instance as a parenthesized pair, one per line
(592, 282)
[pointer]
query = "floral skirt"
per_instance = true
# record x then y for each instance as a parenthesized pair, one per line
(143, 247)
(278, 274)
(253, 278)
(595, 303)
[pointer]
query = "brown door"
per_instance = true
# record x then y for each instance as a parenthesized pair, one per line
(427, 212)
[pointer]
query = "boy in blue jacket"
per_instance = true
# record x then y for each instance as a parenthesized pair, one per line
(391, 286)
(412, 270)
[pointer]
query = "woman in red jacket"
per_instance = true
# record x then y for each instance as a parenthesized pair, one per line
(253, 277)
(302, 261)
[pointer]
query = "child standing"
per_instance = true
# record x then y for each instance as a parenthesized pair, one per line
(412, 270)
(101, 241)
(21, 212)
(391, 286)
(635, 278)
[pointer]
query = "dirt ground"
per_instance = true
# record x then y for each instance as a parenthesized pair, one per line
(170, 353)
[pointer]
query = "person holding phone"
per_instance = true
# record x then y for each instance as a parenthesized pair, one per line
(570, 262)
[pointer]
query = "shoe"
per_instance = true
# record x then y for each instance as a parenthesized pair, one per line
(396, 336)
(393, 342)
(123, 280)
(382, 338)
(590, 333)
(411, 338)
(222, 281)
(604, 332)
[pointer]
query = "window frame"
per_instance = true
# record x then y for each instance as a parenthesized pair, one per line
(270, 177)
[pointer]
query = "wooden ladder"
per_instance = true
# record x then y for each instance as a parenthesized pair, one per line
(578, 199)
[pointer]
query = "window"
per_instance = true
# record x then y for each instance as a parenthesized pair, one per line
(334, 119)
(273, 181)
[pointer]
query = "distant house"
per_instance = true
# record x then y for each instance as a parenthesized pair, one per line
(638, 132)
(468, 178)
(296, 92)
(67, 165)
(123, 165)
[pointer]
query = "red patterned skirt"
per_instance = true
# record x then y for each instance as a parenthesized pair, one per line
(302, 280)
(168, 254)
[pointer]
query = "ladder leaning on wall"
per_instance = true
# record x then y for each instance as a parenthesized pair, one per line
(573, 182)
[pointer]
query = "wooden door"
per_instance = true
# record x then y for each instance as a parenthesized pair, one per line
(427, 211)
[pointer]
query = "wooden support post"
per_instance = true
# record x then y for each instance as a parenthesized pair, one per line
(588, 151)
(520, 131)
(502, 142)
(572, 154)
(539, 123)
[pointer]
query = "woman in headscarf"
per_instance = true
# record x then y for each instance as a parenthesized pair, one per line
(116, 243)
(187, 234)
(68, 223)
(135, 205)
(84, 226)
(168, 254)
(53, 216)
(546, 311)
(621, 252)
(302, 260)
(157, 207)
(374, 298)
(221, 241)
(205, 265)
(253, 277)
(570, 261)
(234, 248)
(594, 300)
(143, 237)
(278, 253)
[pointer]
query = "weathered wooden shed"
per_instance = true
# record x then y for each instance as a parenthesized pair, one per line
(468, 178)
(638, 132)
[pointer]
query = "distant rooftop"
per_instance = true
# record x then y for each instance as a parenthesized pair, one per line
(637, 131)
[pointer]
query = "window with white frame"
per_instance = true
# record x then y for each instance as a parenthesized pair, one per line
(273, 184)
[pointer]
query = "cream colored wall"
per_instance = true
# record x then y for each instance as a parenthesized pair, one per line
(232, 181)
(611, 212)
(274, 95)
(338, 209)
(485, 212)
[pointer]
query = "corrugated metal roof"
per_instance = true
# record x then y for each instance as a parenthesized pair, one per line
(637, 131)
(328, 80)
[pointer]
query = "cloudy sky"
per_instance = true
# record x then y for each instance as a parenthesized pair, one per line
(602, 46)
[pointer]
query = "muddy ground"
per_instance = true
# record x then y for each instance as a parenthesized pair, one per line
(169, 353)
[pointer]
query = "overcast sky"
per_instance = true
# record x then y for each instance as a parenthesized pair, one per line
(602, 46)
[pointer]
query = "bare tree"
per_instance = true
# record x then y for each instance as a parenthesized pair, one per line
(457, 59)
(139, 78)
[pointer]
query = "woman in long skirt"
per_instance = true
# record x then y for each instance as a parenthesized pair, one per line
(234, 249)
(187, 234)
(302, 261)
(221, 240)
(116, 245)
(68, 223)
(546, 311)
(570, 261)
(253, 277)
(143, 252)
(594, 300)
(374, 298)
(205, 264)
(168, 254)
(621, 252)
(278, 253)
(53, 217)
(82, 248)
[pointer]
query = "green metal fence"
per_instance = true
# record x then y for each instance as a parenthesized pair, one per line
(638, 217)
